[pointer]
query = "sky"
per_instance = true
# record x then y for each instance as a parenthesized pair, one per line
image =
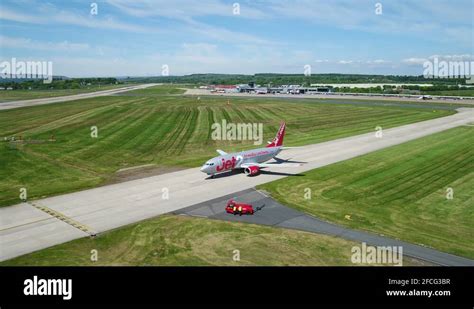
(146, 38)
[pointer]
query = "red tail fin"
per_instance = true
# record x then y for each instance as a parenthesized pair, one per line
(278, 140)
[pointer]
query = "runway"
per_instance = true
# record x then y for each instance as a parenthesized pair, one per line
(24, 230)
(43, 101)
(275, 214)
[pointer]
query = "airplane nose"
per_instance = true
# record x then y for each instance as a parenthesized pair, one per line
(203, 168)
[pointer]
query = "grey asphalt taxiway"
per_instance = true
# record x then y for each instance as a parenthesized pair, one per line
(69, 216)
(270, 212)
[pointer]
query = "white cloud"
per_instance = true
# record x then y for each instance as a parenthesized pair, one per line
(414, 61)
(7, 14)
(23, 43)
(185, 12)
(180, 9)
(420, 61)
(442, 20)
(51, 15)
(379, 61)
(222, 34)
(463, 57)
(210, 58)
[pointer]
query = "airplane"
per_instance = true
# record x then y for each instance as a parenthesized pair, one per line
(425, 97)
(251, 161)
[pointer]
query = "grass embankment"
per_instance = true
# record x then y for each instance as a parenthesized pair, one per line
(185, 241)
(400, 191)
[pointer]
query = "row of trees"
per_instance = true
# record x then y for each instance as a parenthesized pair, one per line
(70, 83)
(262, 79)
(300, 79)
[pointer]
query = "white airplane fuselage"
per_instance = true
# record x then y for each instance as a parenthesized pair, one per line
(231, 161)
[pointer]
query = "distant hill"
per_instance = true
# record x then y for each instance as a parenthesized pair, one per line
(64, 82)
(279, 79)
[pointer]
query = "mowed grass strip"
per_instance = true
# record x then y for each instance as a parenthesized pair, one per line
(158, 90)
(176, 240)
(400, 191)
(167, 130)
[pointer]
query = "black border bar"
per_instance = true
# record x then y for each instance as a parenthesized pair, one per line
(239, 285)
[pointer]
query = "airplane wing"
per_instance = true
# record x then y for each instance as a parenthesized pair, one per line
(276, 164)
(221, 152)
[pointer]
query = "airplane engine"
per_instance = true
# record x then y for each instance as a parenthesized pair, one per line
(251, 170)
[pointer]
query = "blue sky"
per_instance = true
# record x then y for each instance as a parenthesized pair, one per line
(138, 37)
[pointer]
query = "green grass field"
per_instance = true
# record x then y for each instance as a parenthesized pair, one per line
(399, 191)
(13, 95)
(461, 92)
(177, 240)
(166, 130)
(158, 90)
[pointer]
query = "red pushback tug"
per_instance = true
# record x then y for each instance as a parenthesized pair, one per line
(235, 208)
